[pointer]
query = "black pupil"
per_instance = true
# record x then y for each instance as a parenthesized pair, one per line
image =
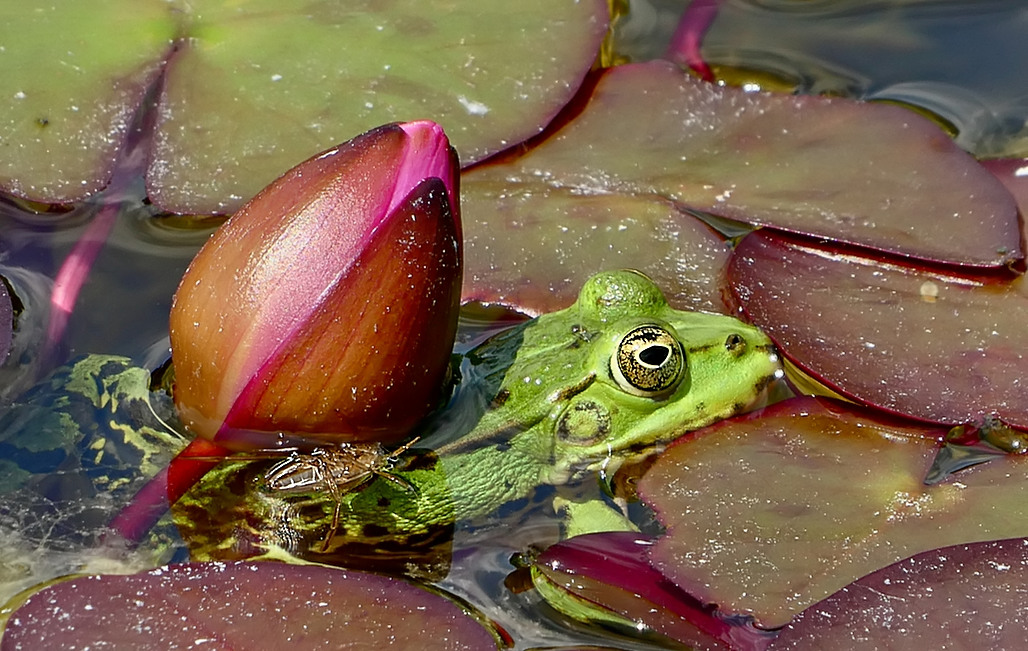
(654, 355)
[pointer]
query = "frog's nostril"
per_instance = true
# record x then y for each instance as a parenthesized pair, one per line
(735, 344)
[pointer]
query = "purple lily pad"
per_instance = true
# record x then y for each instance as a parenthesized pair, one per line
(1013, 173)
(768, 514)
(611, 572)
(6, 322)
(902, 185)
(243, 606)
(964, 596)
(533, 248)
(917, 341)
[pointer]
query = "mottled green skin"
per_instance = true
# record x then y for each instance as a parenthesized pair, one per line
(545, 369)
(77, 446)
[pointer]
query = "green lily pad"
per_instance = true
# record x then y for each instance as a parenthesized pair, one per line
(74, 74)
(532, 248)
(251, 89)
(914, 340)
(243, 606)
(902, 186)
(768, 515)
(260, 87)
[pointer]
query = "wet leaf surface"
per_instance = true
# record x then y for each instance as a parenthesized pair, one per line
(531, 247)
(767, 515)
(243, 606)
(252, 89)
(68, 101)
(902, 187)
(592, 249)
(965, 596)
(916, 341)
(611, 571)
(260, 88)
(1013, 173)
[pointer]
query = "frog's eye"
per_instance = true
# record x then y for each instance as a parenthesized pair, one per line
(649, 361)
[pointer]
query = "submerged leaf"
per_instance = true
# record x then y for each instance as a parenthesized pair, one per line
(768, 515)
(608, 576)
(76, 446)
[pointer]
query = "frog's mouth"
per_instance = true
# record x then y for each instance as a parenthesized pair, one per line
(614, 461)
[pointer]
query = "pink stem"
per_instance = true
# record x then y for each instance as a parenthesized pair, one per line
(73, 273)
(165, 488)
(685, 44)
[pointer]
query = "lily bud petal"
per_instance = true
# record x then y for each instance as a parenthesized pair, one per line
(328, 304)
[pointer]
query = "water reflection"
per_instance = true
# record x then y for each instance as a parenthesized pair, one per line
(954, 59)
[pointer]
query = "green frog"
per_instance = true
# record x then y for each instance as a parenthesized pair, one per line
(567, 396)
(77, 446)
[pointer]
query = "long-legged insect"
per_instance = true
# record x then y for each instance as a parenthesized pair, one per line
(337, 470)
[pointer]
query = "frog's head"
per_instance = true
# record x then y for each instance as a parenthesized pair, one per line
(621, 373)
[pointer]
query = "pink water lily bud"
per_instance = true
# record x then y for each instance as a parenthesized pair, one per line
(327, 306)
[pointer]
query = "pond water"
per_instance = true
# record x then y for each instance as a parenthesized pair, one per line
(954, 59)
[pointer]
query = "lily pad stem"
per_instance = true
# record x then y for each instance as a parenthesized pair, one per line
(685, 44)
(73, 273)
